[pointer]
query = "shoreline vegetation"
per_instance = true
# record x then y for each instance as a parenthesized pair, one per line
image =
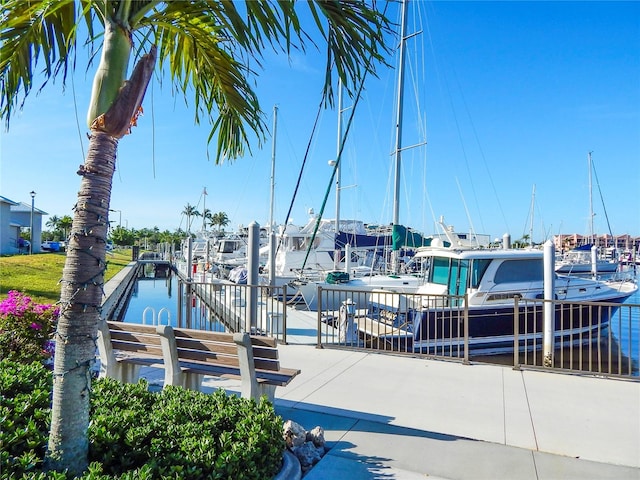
(39, 275)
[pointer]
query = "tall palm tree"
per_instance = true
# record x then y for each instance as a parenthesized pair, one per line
(65, 224)
(220, 219)
(207, 218)
(190, 211)
(207, 46)
(53, 222)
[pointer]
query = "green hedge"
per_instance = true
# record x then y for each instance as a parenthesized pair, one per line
(137, 434)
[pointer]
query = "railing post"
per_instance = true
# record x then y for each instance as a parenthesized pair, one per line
(549, 303)
(284, 313)
(466, 328)
(253, 253)
(319, 300)
(516, 331)
(180, 302)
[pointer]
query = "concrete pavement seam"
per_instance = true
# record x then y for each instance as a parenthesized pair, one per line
(526, 394)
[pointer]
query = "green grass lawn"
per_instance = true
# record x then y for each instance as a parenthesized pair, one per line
(39, 275)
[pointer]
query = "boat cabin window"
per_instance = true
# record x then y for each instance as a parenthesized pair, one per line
(454, 273)
(228, 247)
(514, 271)
(478, 267)
(439, 272)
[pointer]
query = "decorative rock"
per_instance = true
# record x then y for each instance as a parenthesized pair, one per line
(294, 434)
(308, 447)
(316, 436)
(308, 455)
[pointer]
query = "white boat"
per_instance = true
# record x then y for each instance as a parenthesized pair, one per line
(484, 283)
(309, 251)
(583, 260)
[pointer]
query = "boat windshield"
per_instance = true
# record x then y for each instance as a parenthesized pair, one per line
(478, 267)
(452, 272)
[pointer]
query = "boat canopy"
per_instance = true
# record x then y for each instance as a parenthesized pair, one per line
(404, 237)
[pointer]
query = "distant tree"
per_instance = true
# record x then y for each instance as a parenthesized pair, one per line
(122, 236)
(207, 217)
(190, 212)
(65, 224)
(221, 220)
(53, 222)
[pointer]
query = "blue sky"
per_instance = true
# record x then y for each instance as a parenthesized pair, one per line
(512, 96)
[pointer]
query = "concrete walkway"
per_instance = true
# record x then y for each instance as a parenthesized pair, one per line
(393, 417)
(397, 417)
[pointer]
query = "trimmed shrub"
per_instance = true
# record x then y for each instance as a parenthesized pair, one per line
(138, 434)
(25, 414)
(183, 433)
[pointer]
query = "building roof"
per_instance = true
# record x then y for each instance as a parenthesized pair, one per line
(25, 208)
(6, 200)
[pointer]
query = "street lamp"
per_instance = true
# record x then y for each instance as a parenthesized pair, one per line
(33, 199)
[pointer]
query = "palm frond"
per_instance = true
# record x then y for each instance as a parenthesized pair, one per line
(32, 32)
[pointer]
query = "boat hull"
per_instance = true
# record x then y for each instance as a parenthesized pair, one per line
(492, 329)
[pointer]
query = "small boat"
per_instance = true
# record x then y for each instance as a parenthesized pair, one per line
(579, 260)
(484, 283)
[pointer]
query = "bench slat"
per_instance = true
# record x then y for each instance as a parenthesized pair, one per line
(151, 350)
(208, 357)
(131, 327)
(193, 344)
(135, 337)
(224, 348)
(222, 337)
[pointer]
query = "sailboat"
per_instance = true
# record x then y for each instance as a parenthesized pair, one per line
(584, 258)
(398, 241)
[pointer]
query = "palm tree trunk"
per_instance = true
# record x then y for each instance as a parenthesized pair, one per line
(81, 297)
(83, 278)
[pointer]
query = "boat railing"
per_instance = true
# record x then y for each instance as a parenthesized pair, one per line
(596, 338)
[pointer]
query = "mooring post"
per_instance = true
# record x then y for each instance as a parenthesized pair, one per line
(189, 287)
(549, 302)
(252, 275)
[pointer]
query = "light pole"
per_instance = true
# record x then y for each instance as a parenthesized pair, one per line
(33, 199)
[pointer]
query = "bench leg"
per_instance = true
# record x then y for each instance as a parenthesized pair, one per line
(268, 390)
(129, 372)
(122, 372)
(192, 381)
(255, 390)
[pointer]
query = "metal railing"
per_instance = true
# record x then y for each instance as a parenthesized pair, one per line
(600, 338)
(257, 309)
(589, 337)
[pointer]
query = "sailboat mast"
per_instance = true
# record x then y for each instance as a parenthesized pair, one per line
(204, 208)
(272, 227)
(338, 148)
(533, 203)
(273, 165)
(591, 214)
(398, 146)
(400, 100)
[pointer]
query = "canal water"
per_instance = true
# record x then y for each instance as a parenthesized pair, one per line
(154, 301)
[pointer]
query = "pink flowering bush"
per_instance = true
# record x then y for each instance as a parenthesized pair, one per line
(26, 329)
